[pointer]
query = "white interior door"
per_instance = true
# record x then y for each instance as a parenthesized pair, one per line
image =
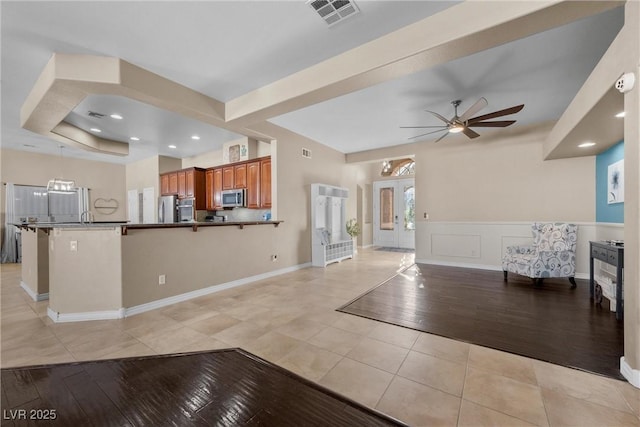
(394, 213)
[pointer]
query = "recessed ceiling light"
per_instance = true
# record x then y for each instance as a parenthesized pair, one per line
(96, 130)
(620, 114)
(134, 138)
(116, 116)
(587, 144)
(172, 146)
(196, 137)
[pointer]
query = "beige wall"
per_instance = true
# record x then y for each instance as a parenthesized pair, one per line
(195, 260)
(105, 180)
(143, 174)
(89, 279)
(35, 261)
(168, 164)
(206, 160)
(502, 180)
(214, 158)
(295, 174)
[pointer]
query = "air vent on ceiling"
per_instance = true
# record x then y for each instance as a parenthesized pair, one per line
(306, 153)
(334, 11)
(94, 114)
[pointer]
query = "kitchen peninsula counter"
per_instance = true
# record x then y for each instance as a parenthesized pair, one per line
(113, 270)
(128, 226)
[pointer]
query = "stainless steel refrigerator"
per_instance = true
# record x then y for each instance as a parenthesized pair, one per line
(168, 209)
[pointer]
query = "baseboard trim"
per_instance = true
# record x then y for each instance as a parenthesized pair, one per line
(632, 375)
(86, 316)
(458, 264)
(34, 296)
(476, 266)
(131, 311)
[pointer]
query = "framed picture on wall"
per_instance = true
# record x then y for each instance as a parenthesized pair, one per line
(615, 182)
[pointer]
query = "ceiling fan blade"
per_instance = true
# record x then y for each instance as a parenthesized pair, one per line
(496, 124)
(499, 113)
(441, 137)
(439, 116)
(428, 133)
(470, 133)
(479, 105)
(421, 127)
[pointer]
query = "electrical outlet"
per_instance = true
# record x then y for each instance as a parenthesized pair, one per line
(162, 279)
(73, 246)
(274, 258)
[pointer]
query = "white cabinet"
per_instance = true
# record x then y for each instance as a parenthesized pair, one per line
(329, 239)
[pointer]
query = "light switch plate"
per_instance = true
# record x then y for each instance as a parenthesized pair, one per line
(73, 246)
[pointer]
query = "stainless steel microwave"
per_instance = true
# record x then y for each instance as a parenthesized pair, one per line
(233, 198)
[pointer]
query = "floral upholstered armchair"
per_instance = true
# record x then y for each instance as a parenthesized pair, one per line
(553, 253)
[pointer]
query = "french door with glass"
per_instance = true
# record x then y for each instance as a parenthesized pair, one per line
(394, 213)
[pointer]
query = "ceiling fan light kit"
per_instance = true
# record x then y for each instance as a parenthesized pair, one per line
(464, 122)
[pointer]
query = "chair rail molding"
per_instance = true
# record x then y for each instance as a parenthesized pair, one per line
(476, 244)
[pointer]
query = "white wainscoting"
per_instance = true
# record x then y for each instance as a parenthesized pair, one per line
(482, 244)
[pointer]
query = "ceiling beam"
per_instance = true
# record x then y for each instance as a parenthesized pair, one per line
(589, 116)
(458, 31)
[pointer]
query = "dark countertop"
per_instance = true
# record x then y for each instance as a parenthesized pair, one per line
(126, 226)
(196, 225)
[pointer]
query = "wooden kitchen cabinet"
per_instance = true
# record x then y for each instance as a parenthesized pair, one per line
(189, 183)
(228, 175)
(240, 176)
(217, 188)
(164, 185)
(182, 184)
(209, 190)
(265, 183)
(253, 185)
(173, 183)
(254, 176)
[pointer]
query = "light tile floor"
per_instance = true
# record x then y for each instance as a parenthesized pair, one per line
(290, 320)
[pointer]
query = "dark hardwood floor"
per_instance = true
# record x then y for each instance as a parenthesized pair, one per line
(550, 322)
(217, 388)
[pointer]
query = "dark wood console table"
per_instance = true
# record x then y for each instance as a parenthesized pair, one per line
(614, 255)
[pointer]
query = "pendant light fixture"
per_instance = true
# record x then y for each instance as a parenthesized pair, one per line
(61, 185)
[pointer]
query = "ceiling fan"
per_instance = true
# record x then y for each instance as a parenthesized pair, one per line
(465, 122)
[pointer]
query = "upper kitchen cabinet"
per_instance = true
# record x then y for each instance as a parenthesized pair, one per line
(253, 185)
(186, 183)
(173, 183)
(259, 183)
(240, 176)
(164, 185)
(182, 184)
(265, 183)
(254, 176)
(228, 178)
(209, 197)
(217, 188)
